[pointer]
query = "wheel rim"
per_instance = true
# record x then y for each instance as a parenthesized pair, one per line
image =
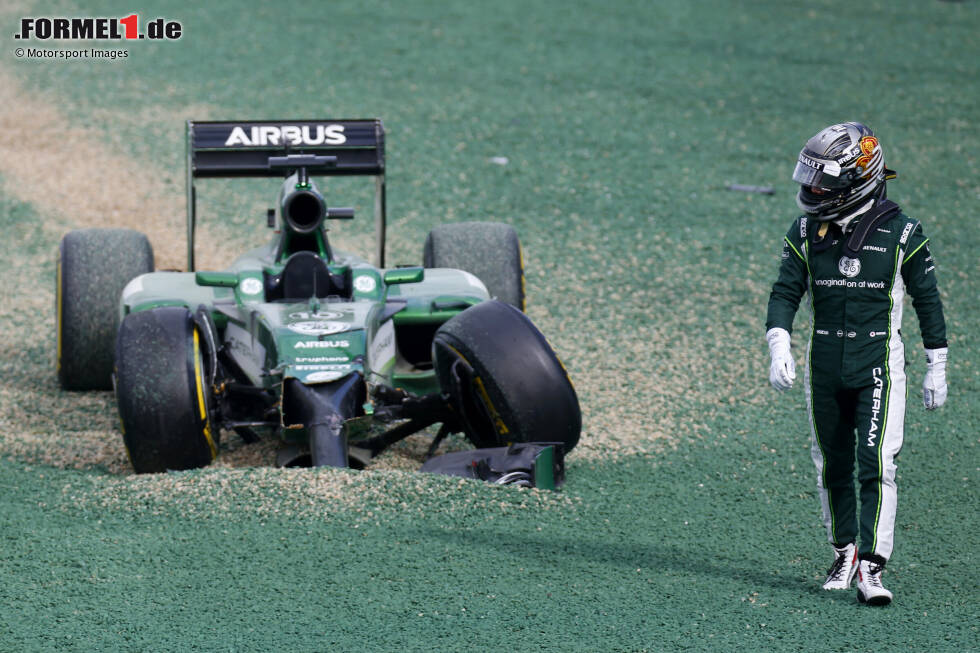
(201, 403)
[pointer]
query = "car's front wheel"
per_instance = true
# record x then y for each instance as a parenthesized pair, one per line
(505, 382)
(490, 251)
(162, 391)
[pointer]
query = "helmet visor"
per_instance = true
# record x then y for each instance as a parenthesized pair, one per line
(813, 171)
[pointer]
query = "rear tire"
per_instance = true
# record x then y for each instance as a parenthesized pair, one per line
(489, 250)
(94, 265)
(162, 393)
(504, 380)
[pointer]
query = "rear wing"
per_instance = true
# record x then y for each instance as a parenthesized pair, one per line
(276, 148)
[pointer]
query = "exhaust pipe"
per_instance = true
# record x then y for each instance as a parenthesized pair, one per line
(301, 206)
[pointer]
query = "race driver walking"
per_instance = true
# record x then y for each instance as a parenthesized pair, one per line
(856, 255)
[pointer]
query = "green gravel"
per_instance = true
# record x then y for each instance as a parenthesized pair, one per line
(690, 519)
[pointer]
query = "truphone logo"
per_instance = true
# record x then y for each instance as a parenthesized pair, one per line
(98, 29)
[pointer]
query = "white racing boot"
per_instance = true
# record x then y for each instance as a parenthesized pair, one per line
(841, 573)
(870, 589)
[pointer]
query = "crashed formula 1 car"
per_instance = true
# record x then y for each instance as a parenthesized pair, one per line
(338, 357)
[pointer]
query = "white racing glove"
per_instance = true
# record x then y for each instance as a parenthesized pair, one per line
(934, 388)
(782, 368)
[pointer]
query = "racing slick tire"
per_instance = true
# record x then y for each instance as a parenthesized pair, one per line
(162, 391)
(490, 251)
(94, 265)
(505, 382)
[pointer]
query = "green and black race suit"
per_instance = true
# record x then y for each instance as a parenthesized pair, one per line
(855, 372)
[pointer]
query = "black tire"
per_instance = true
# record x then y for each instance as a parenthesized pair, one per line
(505, 382)
(162, 393)
(94, 265)
(489, 250)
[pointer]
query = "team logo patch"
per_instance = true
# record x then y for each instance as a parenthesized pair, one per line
(849, 267)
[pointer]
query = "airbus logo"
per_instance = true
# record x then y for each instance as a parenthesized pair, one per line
(287, 135)
(322, 344)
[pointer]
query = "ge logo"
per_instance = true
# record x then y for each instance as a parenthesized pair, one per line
(849, 267)
(318, 327)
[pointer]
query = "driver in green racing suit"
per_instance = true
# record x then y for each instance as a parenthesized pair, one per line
(856, 255)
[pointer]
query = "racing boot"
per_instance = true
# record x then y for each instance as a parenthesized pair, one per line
(841, 573)
(870, 589)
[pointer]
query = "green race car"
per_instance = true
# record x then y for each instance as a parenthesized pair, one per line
(336, 356)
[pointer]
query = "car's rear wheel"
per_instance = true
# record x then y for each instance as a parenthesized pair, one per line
(94, 265)
(505, 382)
(489, 250)
(162, 391)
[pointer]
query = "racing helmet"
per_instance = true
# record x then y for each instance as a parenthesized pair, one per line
(838, 170)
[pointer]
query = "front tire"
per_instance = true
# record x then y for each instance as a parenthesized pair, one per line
(162, 393)
(504, 380)
(94, 265)
(490, 251)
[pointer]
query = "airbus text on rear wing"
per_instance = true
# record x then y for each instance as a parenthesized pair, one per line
(277, 148)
